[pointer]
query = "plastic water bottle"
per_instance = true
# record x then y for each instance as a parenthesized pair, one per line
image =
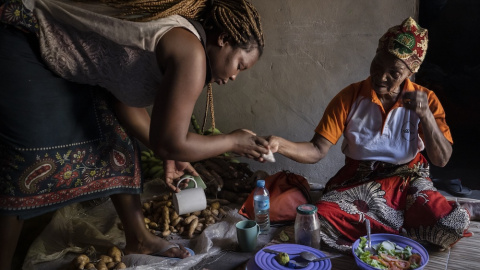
(261, 205)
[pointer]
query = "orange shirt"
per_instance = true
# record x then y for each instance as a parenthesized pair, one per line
(369, 132)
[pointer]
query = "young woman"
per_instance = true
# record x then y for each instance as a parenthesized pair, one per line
(71, 69)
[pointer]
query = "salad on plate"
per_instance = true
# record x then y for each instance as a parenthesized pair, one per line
(389, 256)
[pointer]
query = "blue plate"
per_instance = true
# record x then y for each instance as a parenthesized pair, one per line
(397, 239)
(266, 260)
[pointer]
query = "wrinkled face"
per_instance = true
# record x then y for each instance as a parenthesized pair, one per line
(388, 73)
(227, 61)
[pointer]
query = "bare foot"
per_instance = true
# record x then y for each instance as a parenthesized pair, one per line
(157, 246)
(474, 210)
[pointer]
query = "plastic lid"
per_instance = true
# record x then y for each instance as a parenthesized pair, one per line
(306, 209)
(260, 183)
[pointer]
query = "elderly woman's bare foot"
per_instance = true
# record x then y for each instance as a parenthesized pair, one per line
(474, 209)
(157, 246)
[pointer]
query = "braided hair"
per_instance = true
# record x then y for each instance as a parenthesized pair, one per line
(238, 18)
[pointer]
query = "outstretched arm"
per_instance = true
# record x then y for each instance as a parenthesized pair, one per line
(182, 59)
(302, 152)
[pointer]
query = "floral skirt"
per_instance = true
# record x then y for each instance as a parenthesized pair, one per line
(59, 141)
(397, 199)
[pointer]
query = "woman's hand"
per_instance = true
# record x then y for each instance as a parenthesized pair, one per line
(174, 170)
(273, 143)
(416, 101)
(438, 148)
(248, 144)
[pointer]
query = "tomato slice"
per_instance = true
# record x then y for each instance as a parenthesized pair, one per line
(402, 264)
(388, 258)
(415, 258)
(386, 264)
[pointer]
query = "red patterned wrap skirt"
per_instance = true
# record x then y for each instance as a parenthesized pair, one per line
(397, 199)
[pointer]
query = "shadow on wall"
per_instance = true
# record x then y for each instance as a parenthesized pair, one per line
(452, 70)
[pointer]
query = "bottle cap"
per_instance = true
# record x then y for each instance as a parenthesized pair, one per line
(306, 209)
(260, 183)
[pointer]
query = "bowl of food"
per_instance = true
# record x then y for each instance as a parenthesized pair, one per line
(391, 252)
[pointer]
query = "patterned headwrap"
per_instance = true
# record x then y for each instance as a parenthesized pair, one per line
(407, 41)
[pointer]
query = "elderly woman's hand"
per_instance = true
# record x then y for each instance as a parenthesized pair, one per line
(249, 145)
(416, 101)
(273, 143)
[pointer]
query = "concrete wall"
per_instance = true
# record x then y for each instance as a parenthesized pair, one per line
(314, 48)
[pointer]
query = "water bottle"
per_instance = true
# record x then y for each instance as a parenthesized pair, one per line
(261, 205)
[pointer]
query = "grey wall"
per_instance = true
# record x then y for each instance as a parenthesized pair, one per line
(314, 48)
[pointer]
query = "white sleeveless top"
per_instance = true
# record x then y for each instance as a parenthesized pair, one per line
(96, 49)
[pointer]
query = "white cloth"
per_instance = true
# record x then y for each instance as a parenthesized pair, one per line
(396, 142)
(94, 48)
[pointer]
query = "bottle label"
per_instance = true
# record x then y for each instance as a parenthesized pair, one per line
(262, 204)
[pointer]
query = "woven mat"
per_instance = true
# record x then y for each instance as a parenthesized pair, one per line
(462, 256)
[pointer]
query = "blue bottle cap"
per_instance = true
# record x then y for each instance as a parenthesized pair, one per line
(306, 209)
(260, 183)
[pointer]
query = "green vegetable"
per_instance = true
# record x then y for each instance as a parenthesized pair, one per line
(282, 258)
(365, 255)
(212, 131)
(385, 247)
(283, 236)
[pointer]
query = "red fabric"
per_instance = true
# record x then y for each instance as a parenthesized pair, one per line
(287, 191)
(397, 199)
(407, 41)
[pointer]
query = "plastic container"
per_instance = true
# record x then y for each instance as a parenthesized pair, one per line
(266, 260)
(307, 226)
(261, 206)
(397, 239)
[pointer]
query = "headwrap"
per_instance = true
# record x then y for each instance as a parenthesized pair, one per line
(407, 41)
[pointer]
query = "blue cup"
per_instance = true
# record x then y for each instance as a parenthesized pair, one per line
(247, 234)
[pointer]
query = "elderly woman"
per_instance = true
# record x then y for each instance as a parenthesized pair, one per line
(387, 121)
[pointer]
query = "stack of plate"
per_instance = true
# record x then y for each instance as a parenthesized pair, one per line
(266, 261)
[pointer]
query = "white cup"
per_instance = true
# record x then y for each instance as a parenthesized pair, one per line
(189, 200)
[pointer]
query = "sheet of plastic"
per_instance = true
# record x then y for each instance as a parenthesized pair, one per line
(93, 227)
